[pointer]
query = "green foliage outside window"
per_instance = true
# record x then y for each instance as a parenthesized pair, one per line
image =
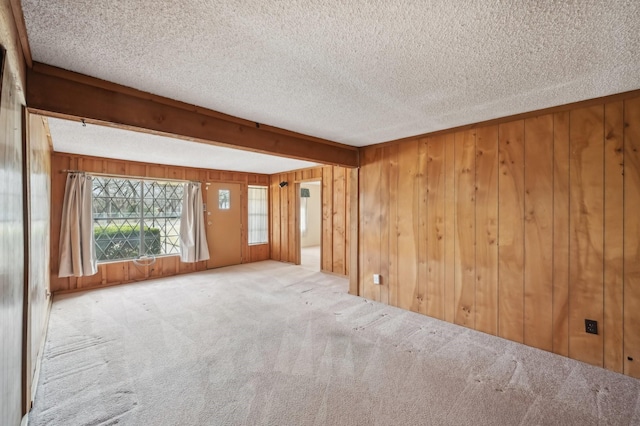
(123, 242)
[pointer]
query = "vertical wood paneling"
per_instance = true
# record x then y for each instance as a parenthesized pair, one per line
(487, 229)
(284, 213)
(40, 245)
(371, 222)
(538, 232)
(293, 206)
(284, 226)
(409, 296)
(539, 214)
(276, 220)
(347, 218)
(586, 217)
(631, 237)
(561, 233)
(327, 218)
(383, 191)
(12, 226)
(391, 154)
(423, 235)
(338, 219)
(449, 228)
(612, 329)
(435, 225)
(123, 272)
(511, 231)
(354, 226)
(465, 216)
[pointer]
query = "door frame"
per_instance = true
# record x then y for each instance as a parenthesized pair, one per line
(241, 193)
(298, 244)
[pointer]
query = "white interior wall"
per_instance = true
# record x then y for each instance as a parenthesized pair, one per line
(314, 216)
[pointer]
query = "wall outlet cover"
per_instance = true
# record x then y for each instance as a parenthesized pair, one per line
(591, 326)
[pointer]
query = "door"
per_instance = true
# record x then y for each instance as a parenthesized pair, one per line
(224, 224)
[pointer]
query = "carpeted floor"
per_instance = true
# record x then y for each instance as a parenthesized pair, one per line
(310, 257)
(276, 344)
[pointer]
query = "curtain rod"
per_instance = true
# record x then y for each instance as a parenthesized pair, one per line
(128, 176)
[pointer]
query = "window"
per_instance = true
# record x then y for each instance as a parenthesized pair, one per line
(224, 199)
(136, 217)
(258, 215)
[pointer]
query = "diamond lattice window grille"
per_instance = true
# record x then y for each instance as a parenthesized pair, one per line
(134, 217)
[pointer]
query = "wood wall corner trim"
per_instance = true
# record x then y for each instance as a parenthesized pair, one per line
(18, 17)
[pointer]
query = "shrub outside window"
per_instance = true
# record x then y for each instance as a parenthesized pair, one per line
(136, 217)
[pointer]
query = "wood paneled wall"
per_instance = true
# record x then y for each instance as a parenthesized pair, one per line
(38, 148)
(336, 203)
(122, 272)
(11, 224)
(522, 230)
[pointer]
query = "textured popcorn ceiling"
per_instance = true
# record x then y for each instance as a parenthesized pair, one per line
(72, 137)
(357, 72)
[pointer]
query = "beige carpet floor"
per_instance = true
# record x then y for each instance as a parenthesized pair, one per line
(310, 257)
(276, 344)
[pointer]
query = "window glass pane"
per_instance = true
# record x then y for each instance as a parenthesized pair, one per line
(258, 215)
(134, 217)
(224, 199)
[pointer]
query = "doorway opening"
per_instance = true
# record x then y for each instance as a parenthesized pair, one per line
(310, 215)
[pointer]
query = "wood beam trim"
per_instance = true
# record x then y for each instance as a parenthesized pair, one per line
(58, 93)
(18, 17)
(501, 120)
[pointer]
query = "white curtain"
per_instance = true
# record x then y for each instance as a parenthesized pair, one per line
(77, 250)
(193, 236)
(258, 207)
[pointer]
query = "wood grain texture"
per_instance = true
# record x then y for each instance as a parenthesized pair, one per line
(631, 237)
(124, 272)
(423, 235)
(284, 228)
(57, 92)
(391, 154)
(371, 222)
(435, 227)
(383, 192)
(286, 246)
(487, 230)
(409, 296)
(612, 329)
(327, 218)
(560, 307)
(511, 231)
(538, 232)
(449, 228)
(338, 209)
(353, 213)
(293, 207)
(465, 216)
(11, 250)
(586, 217)
(275, 219)
(550, 190)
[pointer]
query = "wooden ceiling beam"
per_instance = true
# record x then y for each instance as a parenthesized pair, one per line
(59, 93)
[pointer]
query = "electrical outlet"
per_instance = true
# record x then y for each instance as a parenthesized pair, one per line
(376, 279)
(591, 326)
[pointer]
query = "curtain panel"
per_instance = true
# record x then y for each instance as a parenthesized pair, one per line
(77, 249)
(193, 237)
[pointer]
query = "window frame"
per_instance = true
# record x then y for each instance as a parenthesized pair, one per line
(142, 220)
(264, 229)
